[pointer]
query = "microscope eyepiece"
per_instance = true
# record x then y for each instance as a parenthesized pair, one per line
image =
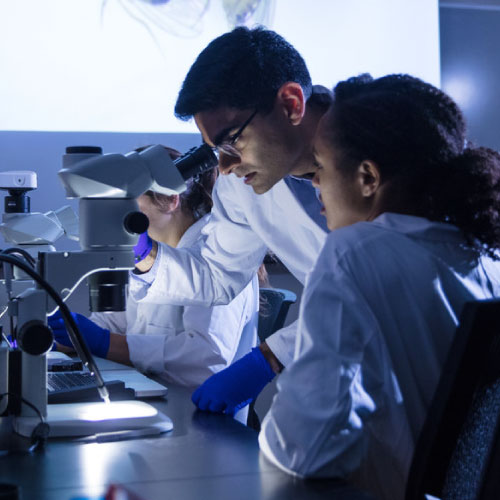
(196, 161)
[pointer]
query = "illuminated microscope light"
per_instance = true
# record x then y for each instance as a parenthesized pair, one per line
(116, 410)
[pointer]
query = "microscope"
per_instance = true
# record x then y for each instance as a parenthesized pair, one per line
(26, 233)
(33, 231)
(107, 186)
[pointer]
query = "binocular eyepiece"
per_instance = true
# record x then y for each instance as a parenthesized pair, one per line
(196, 161)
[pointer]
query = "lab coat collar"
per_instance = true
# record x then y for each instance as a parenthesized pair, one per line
(283, 192)
(191, 236)
(419, 227)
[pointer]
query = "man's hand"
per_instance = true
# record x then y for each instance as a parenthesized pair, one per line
(236, 386)
(97, 338)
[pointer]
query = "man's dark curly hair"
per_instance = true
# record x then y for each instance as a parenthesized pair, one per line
(415, 133)
(242, 69)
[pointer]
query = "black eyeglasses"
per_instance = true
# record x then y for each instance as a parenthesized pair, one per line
(227, 146)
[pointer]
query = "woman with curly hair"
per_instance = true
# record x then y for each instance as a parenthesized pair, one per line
(414, 214)
(183, 344)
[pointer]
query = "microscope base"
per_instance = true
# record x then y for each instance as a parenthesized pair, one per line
(86, 419)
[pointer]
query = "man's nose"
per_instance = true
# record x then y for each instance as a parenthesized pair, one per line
(315, 180)
(227, 163)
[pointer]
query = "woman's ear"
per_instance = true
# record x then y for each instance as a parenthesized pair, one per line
(291, 97)
(174, 202)
(368, 178)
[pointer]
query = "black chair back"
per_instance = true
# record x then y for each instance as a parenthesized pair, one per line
(275, 303)
(457, 455)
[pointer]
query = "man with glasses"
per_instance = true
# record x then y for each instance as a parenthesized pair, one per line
(251, 96)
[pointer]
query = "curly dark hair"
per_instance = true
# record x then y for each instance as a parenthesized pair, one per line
(241, 69)
(415, 133)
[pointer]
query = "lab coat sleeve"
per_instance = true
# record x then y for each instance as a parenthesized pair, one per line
(115, 322)
(282, 343)
(207, 344)
(213, 272)
(315, 424)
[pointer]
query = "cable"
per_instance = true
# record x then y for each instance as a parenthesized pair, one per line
(8, 275)
(26, 402)
(20, 251)
(3, 334)
(2, 314)
(30, 260)
(76, 337)
(41, 431)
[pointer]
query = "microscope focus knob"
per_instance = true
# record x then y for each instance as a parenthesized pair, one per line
(136, 222)
(35, 337)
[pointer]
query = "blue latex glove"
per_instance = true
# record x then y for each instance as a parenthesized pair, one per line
(143, 247)
(236, 386)
(97, 338)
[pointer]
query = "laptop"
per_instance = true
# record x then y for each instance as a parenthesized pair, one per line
(67, 382)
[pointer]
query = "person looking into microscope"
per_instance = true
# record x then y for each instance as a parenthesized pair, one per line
(380, 309)
(252, 99)
(182, 344)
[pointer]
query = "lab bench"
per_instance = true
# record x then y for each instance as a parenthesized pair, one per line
(205, 456)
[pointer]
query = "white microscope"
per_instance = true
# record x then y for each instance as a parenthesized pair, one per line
(34, 231)
(107, 187)
(26, 233)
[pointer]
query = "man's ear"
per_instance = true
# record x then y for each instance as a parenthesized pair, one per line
(368, 178)
(293, 101)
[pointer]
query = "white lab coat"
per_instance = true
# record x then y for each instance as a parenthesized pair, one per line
(185, 345)
(243, 226)
(377, 318)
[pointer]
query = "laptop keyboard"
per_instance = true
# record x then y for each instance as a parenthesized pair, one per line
(57, 381)
(81, 386)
